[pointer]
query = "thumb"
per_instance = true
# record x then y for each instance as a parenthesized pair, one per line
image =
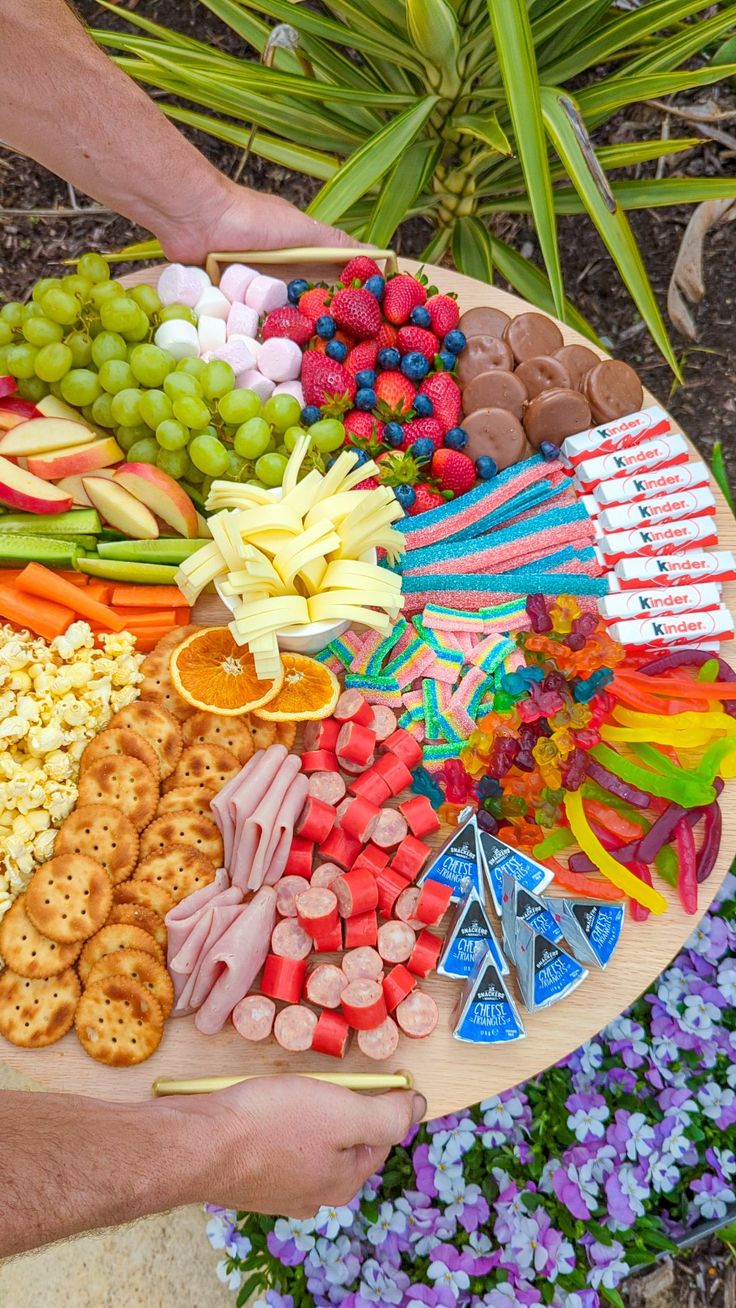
(388, 1117)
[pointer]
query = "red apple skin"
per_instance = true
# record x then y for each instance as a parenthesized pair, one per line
(16, 404)
(82, 459)
(18, 491)
(8, 386)
(157, 490)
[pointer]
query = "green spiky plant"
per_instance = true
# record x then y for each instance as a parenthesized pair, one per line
(455, 111)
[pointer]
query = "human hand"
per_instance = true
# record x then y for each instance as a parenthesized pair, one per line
(287, 1145)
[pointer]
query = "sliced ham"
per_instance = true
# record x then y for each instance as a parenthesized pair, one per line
(284, 828)
(244, 804)
(236, 960)
(221, 806)
(180, 918)
(255, 838)
(201, 978)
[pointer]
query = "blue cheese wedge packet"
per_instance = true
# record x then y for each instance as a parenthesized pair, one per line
(498, 857)
(591, 927)
(469, 927)
(486, 1014)
(545, 972)
(457, 862)
(520, 905)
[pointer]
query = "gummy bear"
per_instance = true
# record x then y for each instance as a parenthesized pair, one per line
(456, 782)
(424, 784)
(487, 822)
(488, 786)
(575, 770)
(539, 618)
(563, 613)
(450, 813)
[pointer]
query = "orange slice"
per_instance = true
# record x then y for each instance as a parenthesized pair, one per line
(212, 672)
(309, 691)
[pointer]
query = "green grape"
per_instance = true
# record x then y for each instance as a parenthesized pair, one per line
(60, 306)
(53, 361)
(126, 437)
(235, 466)
(108, 345)
(147, 299)
(291, 436)
(41, 331)
(21, 360)
(104, 292)
(176, 312)
(239, 406)
(155, 408)
(80, 386)
(172, 461)
(78, 284)
(270, 468)
(143, 451)
(81, 347)
(218, 379)
(282, 411)
(31, 310)
(192, 367)
(172, 435)
(43, 285)
(32, 388)
(208, 454)
(116, 375)
(191, 411)
(328, 434)
(94, 327)
(140, 331)
(126, 407)
(193, 475)
(181, 383)
(102, 411)
(94, 267)
(252, 438)
(55, 389)
(150, 364)
(4, 359)
(6, 332)
(119, 314)
(87, 412)
(12, 312)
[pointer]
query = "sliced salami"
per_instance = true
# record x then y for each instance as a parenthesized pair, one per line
(390, 829)
(359, 818)
(417, 1015)
(294, 1028)
(327, 786)
(356, 892)
(290, 940)
(353, 707)
(325, 985)
(287, 890)
(348, 765)
(316, 911)
(396, 942)
(363, 1004)
(381, 1042)
(253, 1017)
(325, 874)
(322, 734)
(405, 906)
(363, 963)
(356, 744)
(342, 809)
(384, 721)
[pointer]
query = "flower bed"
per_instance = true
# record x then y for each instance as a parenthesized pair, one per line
(548, 1194)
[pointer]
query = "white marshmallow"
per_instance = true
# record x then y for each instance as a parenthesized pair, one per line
(265, 294)
(253, 345)
(237, 353)
(290, 388)
(212, 304)
(235, 281)
(211, 333)
(182, 285)
(178, 337)
(252, 380)
(242, 321)
(280, 359)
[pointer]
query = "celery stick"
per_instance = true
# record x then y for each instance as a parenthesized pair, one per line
(15, 548)
(158, 574)
(77, 522)
(166, 549)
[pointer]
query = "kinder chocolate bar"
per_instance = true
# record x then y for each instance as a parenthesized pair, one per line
(663, 452)
(661, 538)
(520, 905)
(469, 929)
(497, 858)
(591, 927)
(643, 485)
(675, 628)
(458, 862)
(674, 570)
(590, 504)
(661, 508)
(486, 1014)
(545, 972)
(629, 430)
(650, 603)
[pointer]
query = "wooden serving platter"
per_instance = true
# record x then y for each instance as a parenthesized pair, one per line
(451, 1075)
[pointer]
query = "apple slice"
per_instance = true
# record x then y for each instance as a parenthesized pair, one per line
(43, 436)
(21, 490)
(82, 459)
(51, 407)
(16, 404)
(8, 386)
(9, 420)
(162, 495)
(73, 486)
(121, 509)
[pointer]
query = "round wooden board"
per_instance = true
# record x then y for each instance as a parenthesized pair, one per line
(450, 1074)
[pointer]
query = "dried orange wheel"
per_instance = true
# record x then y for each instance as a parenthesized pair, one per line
(309, 691)
(212, 672)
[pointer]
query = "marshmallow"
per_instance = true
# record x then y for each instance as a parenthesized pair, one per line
(180, 285)
(211, 333)
(290, 388)
(212, 304)
(265, 294)
(237, 353)
(242, 321)
(178, 337)
(235, 281)
(252, 380)
(280, 359)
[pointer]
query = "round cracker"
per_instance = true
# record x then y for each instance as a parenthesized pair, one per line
(123, 782)
(213, 729)
(37, 1012)
(69, 897)
(103, 833)
(119, 1022)
(157, 725)
(142, 967)
(190, 799)
(170, 641)
(29, 953)
(117, 935)
(142, 916)
(156, 684)
(264, 733)
(211, 764)
(285, 734)
(181, 869)
(120, 740)
(184, 828)
(147, 893)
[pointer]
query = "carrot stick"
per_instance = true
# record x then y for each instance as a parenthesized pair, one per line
(183, 616)
(100, 590)
(39, 581)
(9, 576)
(43, 616)
(148, 618)
(146, 597)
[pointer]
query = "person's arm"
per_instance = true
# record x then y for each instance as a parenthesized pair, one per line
(70, 108)
(285, 1146)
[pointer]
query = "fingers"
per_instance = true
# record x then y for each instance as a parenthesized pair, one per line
(386, 1118)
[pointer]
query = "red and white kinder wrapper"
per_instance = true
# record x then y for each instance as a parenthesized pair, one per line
(629, 430)
(675, 570)
(645, 485)
(660, 538)
(650, 603)
(663, 452)
(675, 629)
(661, 508)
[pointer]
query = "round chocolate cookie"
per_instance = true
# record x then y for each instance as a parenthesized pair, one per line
(543, 373)
(530, 334)
(482, 354)
(484, 322)
(496, 389)
(578, 360)
(613, 389)
(553, 415)
(497, 433)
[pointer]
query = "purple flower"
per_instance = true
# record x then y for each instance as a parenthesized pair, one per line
(390, 1221)
(607, 1264)
(625, 1194)
(330, 1221)
(718, 1103)
(449, 1268)
(712, 1196)
(539, 1249)
(433, 1296)
(470, 1208)
(569, 1190)
(587, 1113)
(382, 1285)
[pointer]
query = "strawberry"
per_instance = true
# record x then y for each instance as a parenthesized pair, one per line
(362, 356)
(417, 338)
(453, 470)
(444, 393)
(386, 336)
(395, 394)
(326, 383)
(444, 313)
(423, 427)
(403, 293)
(359, 268)
(426, 499)
(313, 303)
(288, 322)
(357, 311)
(321, 345)
(370, 483)
(363, 426)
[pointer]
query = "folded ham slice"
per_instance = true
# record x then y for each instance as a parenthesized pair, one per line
(255, 836)
(284, 829)
(237, 958)
(179, 919)
(222, 809)
(202, 977)
(246, 798)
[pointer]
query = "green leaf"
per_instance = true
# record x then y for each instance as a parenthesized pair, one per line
(311, 162)
(400, 189)
(433, 29)
(434, 249)
(727, 1233)
(306, 20)
(484, 127)
(471, 249)
(726, 53)
(139, 250)
(531, 283)
(691, 40)
(249, 1287)
(155, 29)
(632, 153)
(512, 35)
(649, 193)
(368, 164)
(718, 468)
(611, 1296)
(626, 30)
(598, 101)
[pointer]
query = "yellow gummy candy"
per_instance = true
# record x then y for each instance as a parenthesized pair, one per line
(621, 877)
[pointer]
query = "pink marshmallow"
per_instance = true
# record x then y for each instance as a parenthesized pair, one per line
(252, 380)
(280, 359)
(235, 281)
(180, 285)
(241, 321)
(265, 294)
(290, 388)
(237, 353)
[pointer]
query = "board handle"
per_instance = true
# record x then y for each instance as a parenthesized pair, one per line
(200, 1085)
(316, 254)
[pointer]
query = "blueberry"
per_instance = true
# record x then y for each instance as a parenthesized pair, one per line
(325, 327)
(365, 398)
(296, 288)
(309, 414)
(336, 350)
(388, 359)
(393, 434)
(454, 341)
(549, 451)
(414, 366)
(486, 467)
(361, 457)
(423, 406)
(420, 316)
(375, 285)
(447, 360)
(456, 438)
(406, 495)
(366, 377)
(423, 448)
